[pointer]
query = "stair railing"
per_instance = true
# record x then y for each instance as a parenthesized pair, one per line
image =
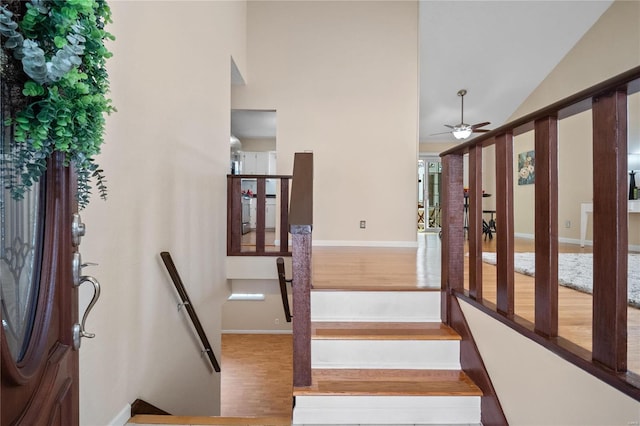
(300, 226)
(282, 278)
(186, 303)
(236, 224)
(608, 103)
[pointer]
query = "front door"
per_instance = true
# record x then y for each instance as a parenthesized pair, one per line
(39, 371)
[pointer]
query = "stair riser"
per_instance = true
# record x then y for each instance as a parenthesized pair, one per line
(380, 306)
(386, 410)
(400, 354)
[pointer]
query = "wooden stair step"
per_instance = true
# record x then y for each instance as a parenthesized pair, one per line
(340, 286)
(382, 331)
(389, 382)
(151, 419)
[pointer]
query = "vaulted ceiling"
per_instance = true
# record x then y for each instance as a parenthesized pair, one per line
(499, 51)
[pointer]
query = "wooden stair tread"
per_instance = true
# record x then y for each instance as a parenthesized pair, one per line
(389, 382)
(204, 420)
(382, 331)
(339, 286)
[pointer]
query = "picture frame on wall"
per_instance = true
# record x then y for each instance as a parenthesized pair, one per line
(527, 168)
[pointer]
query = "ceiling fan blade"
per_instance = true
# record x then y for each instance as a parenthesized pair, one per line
(442, 133)
(449, 126)
(475, 126)
(480, 130)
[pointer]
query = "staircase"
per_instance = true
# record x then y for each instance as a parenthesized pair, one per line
(384, 357)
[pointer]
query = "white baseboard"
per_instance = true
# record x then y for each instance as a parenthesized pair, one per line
(122, 418)
(525, 236)
(257, 332)
(344, 243)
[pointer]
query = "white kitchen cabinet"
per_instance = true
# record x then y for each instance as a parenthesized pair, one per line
(258, 163)
(270, 213)
(253, 213)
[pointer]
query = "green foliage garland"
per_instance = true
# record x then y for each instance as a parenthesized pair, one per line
(55, 87)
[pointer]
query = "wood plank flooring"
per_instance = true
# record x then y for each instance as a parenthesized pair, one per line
(574, 307)
(257, 375)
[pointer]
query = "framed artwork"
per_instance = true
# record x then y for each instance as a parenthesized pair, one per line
(527, 168)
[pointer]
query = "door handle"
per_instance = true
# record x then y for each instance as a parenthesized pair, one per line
(76, 268)
(78, 329)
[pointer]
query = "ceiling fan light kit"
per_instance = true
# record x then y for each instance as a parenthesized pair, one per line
(463, 131)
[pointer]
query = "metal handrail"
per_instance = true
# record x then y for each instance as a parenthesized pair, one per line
(186, 303)
(283, 288)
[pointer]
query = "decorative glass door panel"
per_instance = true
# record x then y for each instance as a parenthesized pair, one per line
(21, 233)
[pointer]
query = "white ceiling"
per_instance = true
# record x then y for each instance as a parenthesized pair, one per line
(500, 51)
(252, 124)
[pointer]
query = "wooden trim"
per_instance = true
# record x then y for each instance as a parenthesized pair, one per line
(504, 212)
(452, 261)
(546, 226)
(475, 222)
(610, 230)
(140, 406)
(188, 305)
(472, 364)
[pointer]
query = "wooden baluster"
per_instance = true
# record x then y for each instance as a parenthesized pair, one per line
(610, 238)
(546, 226)
(234, 215)
(261, 207)
(504, 213)
(284, 215)
(475, 222)
(452, 229)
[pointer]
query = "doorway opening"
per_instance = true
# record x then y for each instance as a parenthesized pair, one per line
(429, 193)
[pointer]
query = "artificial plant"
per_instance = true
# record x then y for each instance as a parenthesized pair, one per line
(54, 88)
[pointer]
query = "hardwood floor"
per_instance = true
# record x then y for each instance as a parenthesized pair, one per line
(256, 377)
(574, 307)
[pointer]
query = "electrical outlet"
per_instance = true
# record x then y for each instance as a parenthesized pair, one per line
(277, 321)
(363, 224)
(567, 224)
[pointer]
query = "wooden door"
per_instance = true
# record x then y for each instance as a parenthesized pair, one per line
(39, 371)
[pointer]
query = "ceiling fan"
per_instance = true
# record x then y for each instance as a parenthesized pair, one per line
(463, 130)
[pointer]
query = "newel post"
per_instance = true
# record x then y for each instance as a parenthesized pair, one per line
(452, 230)
(300, 226)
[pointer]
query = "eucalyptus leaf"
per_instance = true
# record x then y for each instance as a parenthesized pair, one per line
(64, 107)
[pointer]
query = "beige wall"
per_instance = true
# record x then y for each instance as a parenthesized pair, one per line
(436, 147)
(610, 47)
(343, 78)
(166, 158)
(538, 388)
(258, 145)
